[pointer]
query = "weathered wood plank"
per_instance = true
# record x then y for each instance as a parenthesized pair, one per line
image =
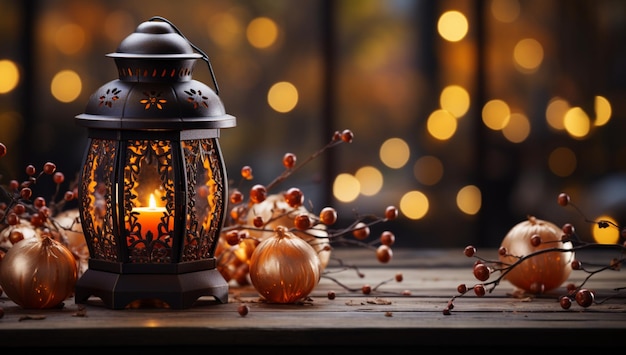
(386, 317)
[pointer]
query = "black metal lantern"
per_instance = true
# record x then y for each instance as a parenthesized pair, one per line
(153, 183)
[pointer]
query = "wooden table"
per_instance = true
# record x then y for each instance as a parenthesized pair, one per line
(381, 322)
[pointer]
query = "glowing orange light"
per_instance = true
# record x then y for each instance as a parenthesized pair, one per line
(150, 217)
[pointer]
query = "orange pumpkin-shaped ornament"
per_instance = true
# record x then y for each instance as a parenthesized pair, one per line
(284, 268)
(38, 273)
(542, 272)
(234, 260)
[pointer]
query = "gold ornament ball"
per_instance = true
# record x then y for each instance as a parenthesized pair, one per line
(274, 211)
(284, 268)
(38, 273)
(542, 272)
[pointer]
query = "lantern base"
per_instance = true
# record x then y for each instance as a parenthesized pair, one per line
(179, 291)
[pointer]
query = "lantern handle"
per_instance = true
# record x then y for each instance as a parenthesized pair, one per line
(205, 57)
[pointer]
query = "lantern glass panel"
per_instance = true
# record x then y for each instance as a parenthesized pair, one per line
(206, 191)
(149, 196)
(97, 189)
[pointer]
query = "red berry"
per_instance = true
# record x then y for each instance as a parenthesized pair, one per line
(302, 222)
(236, 197)
(30, 170)
(294, 197)
(387, 238)
(243, 309)
(399, 277)
(384, 253)
(469, 251)
(289, 160)
(481, 272)
(44, 211)
(15, 236)
(366, 289)
(565, 302)
(584, 297)
(258, 193)
(246, 172)
(232, 237)
(563, 199)
(568, 229)
(258, 221)
(37, 219)
(3, 150)
(331, 295)
(535, 240)
(19, 209)
(328, 216)
(26, 193)
(13, 219)
(69, 196)
(391, 213)
(461, 288)
(58, 177)
(49, 168)
(39, 202)
(479, 290)
(347, 136)
(361, 231)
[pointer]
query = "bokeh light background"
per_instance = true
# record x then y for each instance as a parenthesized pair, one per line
(468, 115)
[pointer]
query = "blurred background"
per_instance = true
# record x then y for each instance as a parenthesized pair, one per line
(467, 115)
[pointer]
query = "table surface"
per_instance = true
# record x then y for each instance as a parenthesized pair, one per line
(386, 319)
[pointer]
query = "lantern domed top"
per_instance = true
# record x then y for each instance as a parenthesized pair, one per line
(155, 89)
(153, 39)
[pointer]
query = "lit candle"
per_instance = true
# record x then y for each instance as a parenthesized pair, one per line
(150, 217)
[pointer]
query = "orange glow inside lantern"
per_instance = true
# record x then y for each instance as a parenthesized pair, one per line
(151, 217)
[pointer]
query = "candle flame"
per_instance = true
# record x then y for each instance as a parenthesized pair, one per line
(152, 203)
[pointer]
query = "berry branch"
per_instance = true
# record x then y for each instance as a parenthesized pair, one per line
(484, 268)
(18, 202)
(289, 159)
(252, 219)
